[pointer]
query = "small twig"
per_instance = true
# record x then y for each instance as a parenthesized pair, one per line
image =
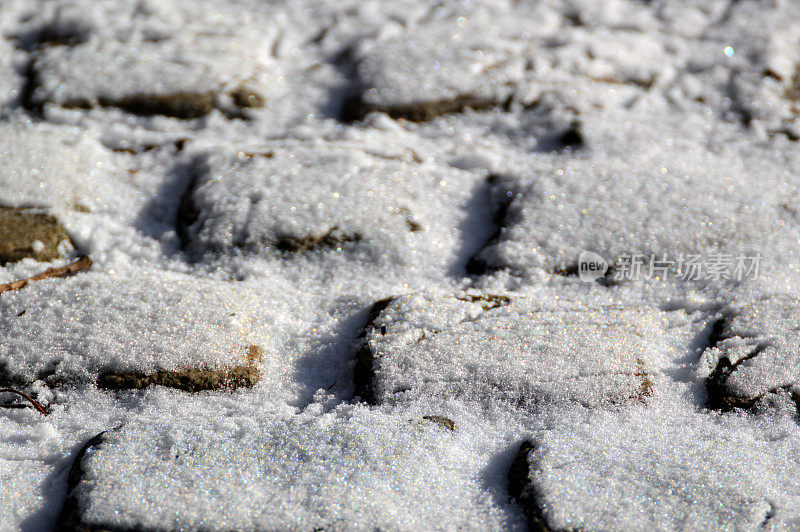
(26, 396)
(83, 263)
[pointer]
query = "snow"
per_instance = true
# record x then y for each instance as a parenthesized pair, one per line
(57, 167)
(269, 200)
(688, 470)
(388, 201)
(350, 468)
(181, 68)
(111, 323)
(759, 338)
(683, 199)
(764, 67)
(528, 351)
(440, 62)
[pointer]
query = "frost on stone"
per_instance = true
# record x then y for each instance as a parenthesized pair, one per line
(762, 70)
(515, 134)
(756, 353)
(450, 63)
(439, 69)
(350, 469)
(69, 23)
(29, 234)
(186, 78)
(148, 58)
(293, 199)
(589, 60)
(678, 201)
(51, 166)
(130, 331)
(524, 351)
(684, 471)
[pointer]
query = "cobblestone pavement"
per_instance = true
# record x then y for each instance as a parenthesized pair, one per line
(474, 264)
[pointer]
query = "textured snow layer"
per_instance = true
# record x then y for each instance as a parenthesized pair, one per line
(439, 64)
(684, 471)
(456, 157)
(328, 197)
(178, 78)
(759, 348)
(43, 166)
(351, 468)
(115, 323)
(164, 59)
(763, 83)
(525, 351)
(679, 200)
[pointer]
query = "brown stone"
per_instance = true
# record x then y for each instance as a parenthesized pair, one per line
(20, 229)
(355, 108)
(442, 421)
(188, 380)
(330, 240)
(185, 105)
(245, 97)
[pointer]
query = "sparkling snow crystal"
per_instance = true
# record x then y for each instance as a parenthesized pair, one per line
(349, 469)
(679, 200)
(524, 351)
(408, 265)
(758, 352)
(326, 198)
(43, 166)
(97, 323)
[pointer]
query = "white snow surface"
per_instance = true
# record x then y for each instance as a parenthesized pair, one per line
(620, 127)
(760, 338)
(121, 70)
(350, 468)
(370, 205)
(682, 198)
(57, 167)
(116, 323)
(529, 351)
(687, 470)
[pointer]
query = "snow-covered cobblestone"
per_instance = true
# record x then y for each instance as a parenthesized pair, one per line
(323, 265)
(522, 351)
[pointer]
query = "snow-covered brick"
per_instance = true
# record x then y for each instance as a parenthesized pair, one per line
(762, 58)
(437, 69)
(524, 351)
(756, 352)
(185, 78)
(350, 469)
(168, 58)
(626, 57)
(58, 167)
(121, 327)
(624, 199)
(490, 143)
(666, 468)
(331, 197)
